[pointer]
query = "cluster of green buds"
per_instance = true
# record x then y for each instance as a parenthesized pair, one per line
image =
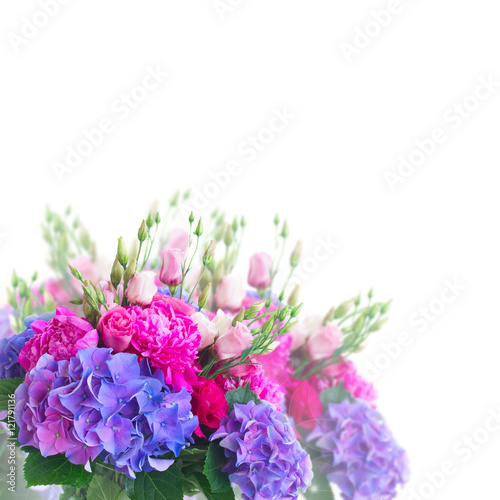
(66, 238)
(25, 300)
(146, 238)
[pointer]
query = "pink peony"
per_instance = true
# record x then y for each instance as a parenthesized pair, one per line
(233, 342)
(141, 288)
(116, 328)
(324, 342)
(170, 340)
(207, 330)
(208, 404)
(259, 275)
(61, 337)
(230, 293)
(304, 404)
(171, 268)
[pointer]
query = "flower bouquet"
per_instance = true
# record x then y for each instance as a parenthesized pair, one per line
(170, 378)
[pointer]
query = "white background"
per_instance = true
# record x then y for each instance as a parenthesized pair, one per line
(326, 171)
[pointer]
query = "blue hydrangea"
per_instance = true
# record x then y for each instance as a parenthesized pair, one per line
(103, 404)
(359, 451)
(5, 329)
(266, 460)
(11, 347)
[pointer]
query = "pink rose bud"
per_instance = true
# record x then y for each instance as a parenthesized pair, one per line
(116, 328)
(259, 275)
(207, 330)
(230, 293)
(171, 269)
(324, 342)
(233, 342)
(141, 288)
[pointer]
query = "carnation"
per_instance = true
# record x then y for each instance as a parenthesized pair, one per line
(363, 458)
(11, 347)
(260, 384)
(62, 336)
(265, 459)
(170, 340)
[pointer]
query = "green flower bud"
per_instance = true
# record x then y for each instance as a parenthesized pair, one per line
(84, 238)
(34, 276)
(199, 228)
(288, 328)
(90, 312)
(235, 225)
(228, 236)
(205, 295)
(121, 253)
(370, 293)
(294, 296)
(296, 311)
(379, 324)
(385, 307)
(208, 256)
(116, 273)
(284, 230)
(329, 316)
(11, 299)
(130, 271)
(296, 255)
(276, 219)
(374, 310)
(268, 303)
(239, 317)
(157, 218)
(76, 273)
(174, 199)
(41, 289)
(357, 300)
(14, 280)
(243, 222)
(219, 232)
(254, 309)
(358, 324)
(77, 302)
(191, 218)
(343, 309)
(142, 234)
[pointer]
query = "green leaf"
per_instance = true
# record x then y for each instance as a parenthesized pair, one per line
(101, 488)
(56, 469)
(7, 389)
(204, 487)
(335, 394)
(320, 488)
(156, 485)
(241, 395)
(218, 480)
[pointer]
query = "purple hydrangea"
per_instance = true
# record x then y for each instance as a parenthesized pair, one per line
(11, 347)
(360, 453)
(266, 460)
(5, 329)
(103, 404)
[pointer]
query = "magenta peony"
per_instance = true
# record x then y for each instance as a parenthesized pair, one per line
(170, 340)
(61, 337)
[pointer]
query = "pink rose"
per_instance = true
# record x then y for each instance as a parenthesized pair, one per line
(61, 337)
(207, 330)
(324, 342)
(178, 305)
(259, 275)
(116, 328)
(233, 342)
(171, 269)
(178, 238)
(230, 293)
(208, 404)
(141, 288)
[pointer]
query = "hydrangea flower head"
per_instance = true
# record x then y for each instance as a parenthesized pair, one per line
(11, 347)
(266, 460)
(363, 458)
